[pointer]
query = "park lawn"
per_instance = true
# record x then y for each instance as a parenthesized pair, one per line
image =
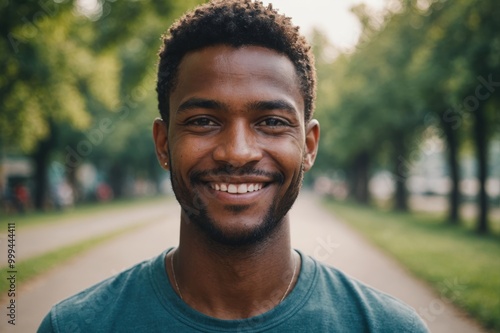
(460, 265)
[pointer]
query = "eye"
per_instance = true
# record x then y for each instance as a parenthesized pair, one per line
(273, 122)
(202, 122)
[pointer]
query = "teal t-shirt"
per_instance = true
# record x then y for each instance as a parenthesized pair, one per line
(141, 299)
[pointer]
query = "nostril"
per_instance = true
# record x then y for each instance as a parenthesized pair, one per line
(237, 149)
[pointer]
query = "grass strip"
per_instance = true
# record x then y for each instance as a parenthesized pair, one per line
(30, 268)
(462, 266)
(84, 210)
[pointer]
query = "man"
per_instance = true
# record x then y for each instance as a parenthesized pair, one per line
(236, 87)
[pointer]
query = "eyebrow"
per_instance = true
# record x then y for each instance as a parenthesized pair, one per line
(199, 103)
(272, 105)
(203, 103)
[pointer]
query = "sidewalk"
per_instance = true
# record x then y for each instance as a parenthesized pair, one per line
(319, 234)
(40, 239)
(314, 231)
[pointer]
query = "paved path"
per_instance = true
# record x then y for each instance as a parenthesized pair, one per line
(318, 233)
(314, 231)
(47, 237)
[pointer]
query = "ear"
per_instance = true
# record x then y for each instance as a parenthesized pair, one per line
(312, 141)
(160, 137)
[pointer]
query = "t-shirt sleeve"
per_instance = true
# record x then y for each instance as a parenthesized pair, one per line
(419, 325)
(46, 325)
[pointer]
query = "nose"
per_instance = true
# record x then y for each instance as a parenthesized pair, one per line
(237, 146)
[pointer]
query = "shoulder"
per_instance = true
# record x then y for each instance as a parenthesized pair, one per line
(379, 311)
(80, 312)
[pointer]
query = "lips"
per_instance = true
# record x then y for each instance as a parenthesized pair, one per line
(241, 188)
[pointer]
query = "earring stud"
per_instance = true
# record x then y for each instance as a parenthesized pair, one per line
(166, 163)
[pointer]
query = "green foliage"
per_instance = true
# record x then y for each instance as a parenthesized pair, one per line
(460, 265)
(414, 75)
(49, 66)
(74, 68)
(373, 90)
(69, 69)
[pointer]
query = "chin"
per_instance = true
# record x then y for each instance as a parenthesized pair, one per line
(236, 234)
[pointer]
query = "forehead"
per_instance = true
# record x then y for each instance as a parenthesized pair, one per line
(243, 72)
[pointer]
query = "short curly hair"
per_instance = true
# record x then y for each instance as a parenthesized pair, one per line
(235, 23)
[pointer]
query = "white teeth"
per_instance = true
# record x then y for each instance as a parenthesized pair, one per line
(237, 188)
(232, 188)
(242, 188)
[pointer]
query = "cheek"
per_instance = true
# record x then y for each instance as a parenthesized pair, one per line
(187, 154)
(288, 157)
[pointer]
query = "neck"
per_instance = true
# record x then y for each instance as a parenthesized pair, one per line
(233, 282)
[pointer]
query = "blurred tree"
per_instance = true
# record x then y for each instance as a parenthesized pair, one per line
(47, 64)
(457, 66)
(431, 66)
(371, 114)
(427, 66)
(64, 79)
(481, 46)
(135, 45)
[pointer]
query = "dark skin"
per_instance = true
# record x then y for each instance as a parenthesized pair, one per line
(235, 109)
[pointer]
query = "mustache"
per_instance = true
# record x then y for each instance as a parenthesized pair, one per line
(197, 175)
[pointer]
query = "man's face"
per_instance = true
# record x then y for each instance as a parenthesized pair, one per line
(236, 143)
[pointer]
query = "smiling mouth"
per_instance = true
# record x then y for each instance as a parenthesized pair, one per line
(237, 188)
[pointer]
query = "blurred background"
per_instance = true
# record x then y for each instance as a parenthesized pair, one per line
(78, 100)
(408, 101)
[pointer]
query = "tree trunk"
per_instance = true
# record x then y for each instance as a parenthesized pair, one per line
(117, 180)
(73, 183)
(360, 177)
(480, 141)
(454, 195)
(41, 161)
(401, 196)
(403, 169)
